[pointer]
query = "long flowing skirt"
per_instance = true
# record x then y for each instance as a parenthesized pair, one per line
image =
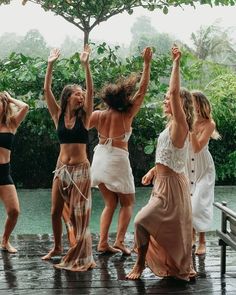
(75, 187)
(167, 221)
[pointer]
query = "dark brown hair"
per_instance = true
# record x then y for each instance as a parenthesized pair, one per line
(118, 96)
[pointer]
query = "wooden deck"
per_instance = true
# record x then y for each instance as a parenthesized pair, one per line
(26, 274)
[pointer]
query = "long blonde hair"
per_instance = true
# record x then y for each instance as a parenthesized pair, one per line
(7, 111)
(205, 109)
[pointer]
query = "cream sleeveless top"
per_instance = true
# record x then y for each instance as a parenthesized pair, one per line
(169, 155)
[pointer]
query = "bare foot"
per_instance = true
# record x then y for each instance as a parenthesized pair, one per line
(122, 247)
(108, 249)
(8, 247)
(51, 254)
(136, 272)
(201, 249)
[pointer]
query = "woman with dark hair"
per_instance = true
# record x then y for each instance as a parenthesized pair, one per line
(71, 183)
(163, 228)
(201, 169)
(110, 169)
(10, 120)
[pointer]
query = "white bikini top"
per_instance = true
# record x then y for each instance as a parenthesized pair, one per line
(124, 137)
(169, 155)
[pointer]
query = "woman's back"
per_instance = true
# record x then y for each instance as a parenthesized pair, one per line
(114, 127)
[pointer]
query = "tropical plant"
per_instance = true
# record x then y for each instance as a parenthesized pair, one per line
(214, 43)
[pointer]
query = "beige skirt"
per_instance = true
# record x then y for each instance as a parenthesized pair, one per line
(168, 219)
(75, 187)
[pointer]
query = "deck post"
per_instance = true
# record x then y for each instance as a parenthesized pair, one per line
(223, 244)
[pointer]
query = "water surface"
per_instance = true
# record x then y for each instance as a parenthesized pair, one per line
(35, 209)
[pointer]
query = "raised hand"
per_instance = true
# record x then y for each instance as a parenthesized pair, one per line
(147, 54)
(176, 53)
(84, 56)
(54, 55)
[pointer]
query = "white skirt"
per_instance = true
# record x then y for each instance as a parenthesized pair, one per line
(201, 173)
(111, 166)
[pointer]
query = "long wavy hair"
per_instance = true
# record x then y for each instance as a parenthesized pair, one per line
(118, 96)
(65, 94)
(187, 106)
(204, 109)
(7, 111)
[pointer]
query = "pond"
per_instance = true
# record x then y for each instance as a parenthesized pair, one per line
(36, 204)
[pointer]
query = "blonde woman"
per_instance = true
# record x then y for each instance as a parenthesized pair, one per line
(163, 228)
(72, 184)
(10, 120)
(201, 169)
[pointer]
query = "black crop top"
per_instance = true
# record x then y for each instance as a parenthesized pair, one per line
(77, 134)
(6, 140)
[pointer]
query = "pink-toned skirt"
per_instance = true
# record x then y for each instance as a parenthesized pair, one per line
(167, 218)
(75, 187)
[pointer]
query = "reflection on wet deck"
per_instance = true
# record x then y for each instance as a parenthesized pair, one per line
(25, 272)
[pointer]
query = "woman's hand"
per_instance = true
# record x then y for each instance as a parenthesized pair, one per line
(147, 54)
(54, 55)
(84, 56)
(147, 178)
(176, 53)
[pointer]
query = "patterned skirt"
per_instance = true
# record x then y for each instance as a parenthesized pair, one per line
(75, 187)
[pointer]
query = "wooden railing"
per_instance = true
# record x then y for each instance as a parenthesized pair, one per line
(227, 234)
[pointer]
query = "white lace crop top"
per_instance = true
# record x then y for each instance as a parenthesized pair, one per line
(169, 155)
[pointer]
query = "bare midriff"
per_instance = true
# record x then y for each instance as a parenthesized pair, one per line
(5, 155)
(72, 153)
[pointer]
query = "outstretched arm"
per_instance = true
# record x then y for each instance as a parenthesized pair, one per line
(179, 124)
(88, 103)
(53, 107)
(139, 95)
(22, 109)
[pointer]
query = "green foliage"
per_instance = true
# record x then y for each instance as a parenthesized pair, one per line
(214, 43)
(222, 92)
(144, 34)
(36, 146)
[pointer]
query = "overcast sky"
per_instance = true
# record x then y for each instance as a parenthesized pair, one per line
(178, 22)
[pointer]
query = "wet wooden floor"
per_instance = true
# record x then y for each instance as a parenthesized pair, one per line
(25, 273)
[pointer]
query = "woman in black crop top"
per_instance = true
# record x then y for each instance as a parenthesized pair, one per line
(71, 184)
(9, 122)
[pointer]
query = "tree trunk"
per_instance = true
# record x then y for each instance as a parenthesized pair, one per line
(86, 36)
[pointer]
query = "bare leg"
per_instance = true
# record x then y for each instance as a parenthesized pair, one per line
(139, 266)
(110, 199)
(69, 227)
(56, 214)
(140, 235)
(9, 197)
(126, 210)
(201, 244)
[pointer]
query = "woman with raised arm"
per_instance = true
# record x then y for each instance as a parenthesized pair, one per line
(10, 120)
(163, 228)
(71, 183)
(201, 169)
(111, 170)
